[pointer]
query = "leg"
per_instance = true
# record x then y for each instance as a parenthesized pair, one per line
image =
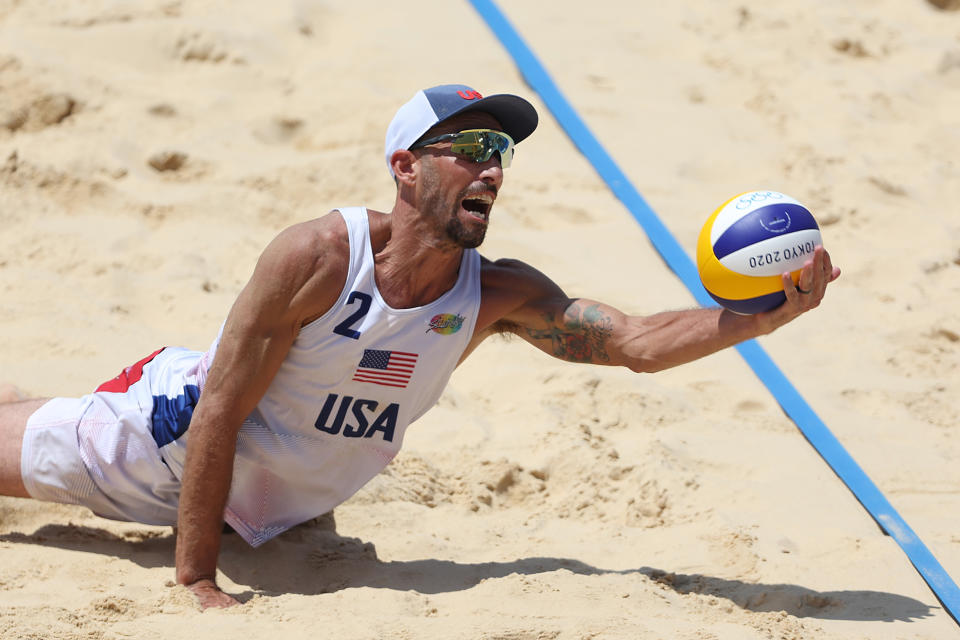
(13, 422)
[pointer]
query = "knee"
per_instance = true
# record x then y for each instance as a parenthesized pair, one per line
(13, 424)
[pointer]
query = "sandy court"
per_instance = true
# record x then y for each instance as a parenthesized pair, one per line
(150, 150)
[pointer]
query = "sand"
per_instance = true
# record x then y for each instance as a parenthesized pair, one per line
(150, 150)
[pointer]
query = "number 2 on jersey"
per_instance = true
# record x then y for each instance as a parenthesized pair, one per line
(344, 327)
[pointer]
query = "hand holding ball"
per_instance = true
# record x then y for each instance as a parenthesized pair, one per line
(748, 243)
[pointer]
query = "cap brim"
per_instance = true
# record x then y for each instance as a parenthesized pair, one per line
(516, 116)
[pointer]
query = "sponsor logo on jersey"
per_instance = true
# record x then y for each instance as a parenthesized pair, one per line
(357, 417)
(445, 323)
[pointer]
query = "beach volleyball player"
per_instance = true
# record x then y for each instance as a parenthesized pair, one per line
(346, 332)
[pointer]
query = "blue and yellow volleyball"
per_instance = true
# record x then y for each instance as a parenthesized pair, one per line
(748, 242)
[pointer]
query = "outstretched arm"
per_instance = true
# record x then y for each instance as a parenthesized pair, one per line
(581, 330)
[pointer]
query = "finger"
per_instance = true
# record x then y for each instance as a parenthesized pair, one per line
(820, 271)
(831, 271)
(807, 280)
(787, 281)
(789, 289)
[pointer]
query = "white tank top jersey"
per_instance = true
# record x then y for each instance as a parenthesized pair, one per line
(337, 410)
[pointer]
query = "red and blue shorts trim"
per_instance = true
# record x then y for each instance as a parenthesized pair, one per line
(170, 416)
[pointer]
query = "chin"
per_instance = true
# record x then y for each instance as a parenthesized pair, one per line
(463, 237)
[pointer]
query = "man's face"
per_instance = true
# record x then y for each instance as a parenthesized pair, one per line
(458, 191)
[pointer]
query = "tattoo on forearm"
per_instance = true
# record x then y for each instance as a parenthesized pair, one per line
(579, 336)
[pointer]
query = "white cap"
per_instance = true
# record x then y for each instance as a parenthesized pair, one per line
(430, 106)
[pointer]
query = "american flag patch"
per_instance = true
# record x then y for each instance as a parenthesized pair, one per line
(387, 368)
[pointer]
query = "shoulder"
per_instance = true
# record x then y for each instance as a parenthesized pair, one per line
(507, 285)
(307, 247)
(303, 264)
(320, 234)
(508, 275)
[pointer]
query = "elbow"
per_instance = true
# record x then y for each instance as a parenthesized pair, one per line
(644, 366)
(650, 364)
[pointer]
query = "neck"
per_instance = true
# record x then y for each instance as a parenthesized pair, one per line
(412, 266)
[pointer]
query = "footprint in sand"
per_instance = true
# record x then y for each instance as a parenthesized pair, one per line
(47, 110)
(167, 160)
(278, 129)
(204, 47)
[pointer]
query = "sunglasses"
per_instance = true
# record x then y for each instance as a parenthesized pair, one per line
(476, 145)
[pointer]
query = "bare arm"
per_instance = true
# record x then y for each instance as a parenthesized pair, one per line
(293, 283)
(580, 330)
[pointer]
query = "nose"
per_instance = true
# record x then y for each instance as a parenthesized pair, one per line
(491, 172)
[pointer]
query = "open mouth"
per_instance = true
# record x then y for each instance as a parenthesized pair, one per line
(478, 205)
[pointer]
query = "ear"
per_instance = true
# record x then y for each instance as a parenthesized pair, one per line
(403, 163)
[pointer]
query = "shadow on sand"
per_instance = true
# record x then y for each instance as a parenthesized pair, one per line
(313, 559)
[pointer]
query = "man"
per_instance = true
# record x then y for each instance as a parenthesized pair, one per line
(347, 331)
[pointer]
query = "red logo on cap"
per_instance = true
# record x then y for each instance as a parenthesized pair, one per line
(469, 95)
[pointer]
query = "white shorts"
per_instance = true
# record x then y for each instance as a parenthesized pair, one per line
(99, 451)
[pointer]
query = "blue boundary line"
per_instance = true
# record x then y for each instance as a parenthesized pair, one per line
(763, 366)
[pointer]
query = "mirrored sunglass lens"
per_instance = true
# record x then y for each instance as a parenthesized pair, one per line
(506, 157)
(478, 146)
(503, 145)
(468, 146)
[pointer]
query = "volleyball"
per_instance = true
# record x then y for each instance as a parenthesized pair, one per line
(748, 242)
